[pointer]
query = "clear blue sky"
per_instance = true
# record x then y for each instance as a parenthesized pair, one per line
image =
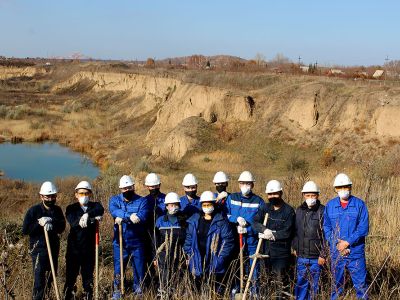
(351, 32)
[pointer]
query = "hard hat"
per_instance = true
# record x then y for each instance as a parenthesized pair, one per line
(273, 186)
(126, 181)
(83, 185)
(172, 198)
(207, 196)
(189, 180)
(342, 180)
(246, 176)
(48, 188)
(310, 187)
(152, 179)
(220, 177)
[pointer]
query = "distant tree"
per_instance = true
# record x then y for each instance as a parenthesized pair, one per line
(150, 63)
(208, 65)
(260, 59)
(280, 59)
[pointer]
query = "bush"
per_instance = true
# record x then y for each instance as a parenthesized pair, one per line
(327, 157)
(296, 163)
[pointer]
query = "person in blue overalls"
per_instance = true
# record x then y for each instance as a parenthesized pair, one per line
(190, 202)
(345, 227)
(308, 243)
(241, 209)
(130, 211)
(170, 230)
(209, 241)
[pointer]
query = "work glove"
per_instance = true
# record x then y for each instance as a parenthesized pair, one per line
(48, 226)
(134, 218)
(83, 221)
(221, 196)
(267, 235)
(98, 218)
(242, 222)
(241, 230)
(118, 220)
(44, 220)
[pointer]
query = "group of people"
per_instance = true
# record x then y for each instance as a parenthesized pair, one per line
(205, 233)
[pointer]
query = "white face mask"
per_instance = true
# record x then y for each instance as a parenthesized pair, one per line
(83, 200)
(173, 210)
(344, 194)
(208, 210)
(245, 189)
(311, 202)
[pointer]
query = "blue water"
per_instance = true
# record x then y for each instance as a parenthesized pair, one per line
(41, 162)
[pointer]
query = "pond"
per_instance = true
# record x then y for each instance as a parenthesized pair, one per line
(41, 162)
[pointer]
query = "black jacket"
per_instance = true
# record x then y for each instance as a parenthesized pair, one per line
(282, 222)
(82, 240)
(32, 228)
(308, 241)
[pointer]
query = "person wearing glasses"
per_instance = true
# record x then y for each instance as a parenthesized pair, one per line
(80, 258)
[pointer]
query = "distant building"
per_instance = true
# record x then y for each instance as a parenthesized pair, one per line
(335, 72)
(378, 74)
(304, 69)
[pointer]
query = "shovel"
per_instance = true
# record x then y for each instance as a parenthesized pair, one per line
(96, 272)
(121, 258)
(239, 295)
(253, 265)
(53, 272)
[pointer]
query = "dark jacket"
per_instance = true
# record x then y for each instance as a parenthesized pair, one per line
(32, 228)
(309, 240)
(220, 243)
(82, 240)
(281, 221)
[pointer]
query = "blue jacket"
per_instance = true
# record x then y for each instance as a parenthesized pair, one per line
(220, 233)
(239, 206)
(156, 206)
(190, 208)
(350, 224)
(132, 234)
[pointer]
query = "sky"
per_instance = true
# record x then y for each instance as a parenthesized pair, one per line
(351, 32)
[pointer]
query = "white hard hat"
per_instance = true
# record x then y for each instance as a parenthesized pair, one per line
(189, 180)
(310, 187)
(152, 179)
(48, 188)
(273, 186)
(207, 196)
(220, 177)
(246, 176)
(342, 180)
(126, 181)
(83, 185)
(172, 198)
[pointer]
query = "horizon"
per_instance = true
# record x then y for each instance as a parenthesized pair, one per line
(363, 34)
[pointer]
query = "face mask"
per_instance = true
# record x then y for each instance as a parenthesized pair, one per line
(208, 210)
(154, 192)
(275, 201)
(83, 200)
(191, 194)
(311, 202)
(49, 203)
(220, 188)
(245, 189)
(344, 194)
(173, 210)
(128, 194)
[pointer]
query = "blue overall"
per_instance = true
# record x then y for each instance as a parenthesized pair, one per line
(349, 224)
(133, 237)
(246, 207)
(189, 208)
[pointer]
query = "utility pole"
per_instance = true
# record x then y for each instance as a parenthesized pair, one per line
(386, 65)
(299, 60)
